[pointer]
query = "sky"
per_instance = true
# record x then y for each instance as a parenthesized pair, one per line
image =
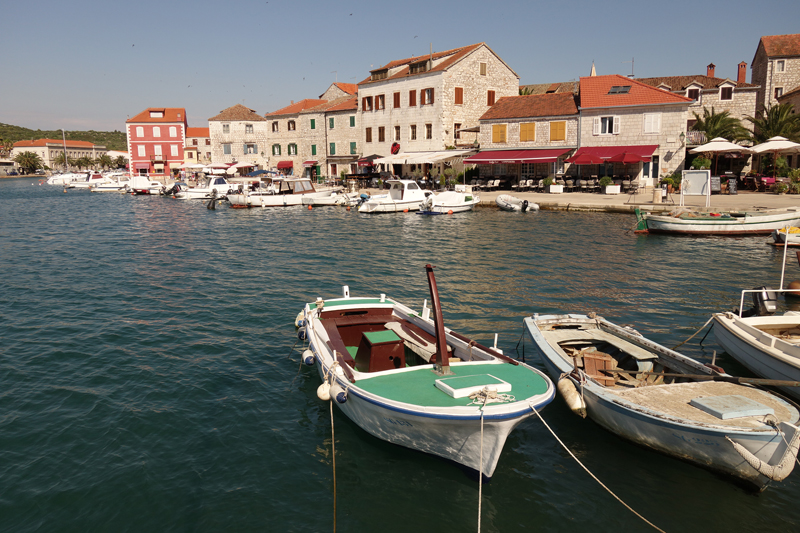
(88, 64)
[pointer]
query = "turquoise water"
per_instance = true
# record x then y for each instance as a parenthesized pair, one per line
(147, 381)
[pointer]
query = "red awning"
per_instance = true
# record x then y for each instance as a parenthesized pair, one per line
(141, 165)
(310, 163)
(631, 154)
(549, 155)
(285, 164)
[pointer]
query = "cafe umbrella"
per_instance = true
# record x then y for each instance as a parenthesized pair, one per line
(717, 146)
(776, 145)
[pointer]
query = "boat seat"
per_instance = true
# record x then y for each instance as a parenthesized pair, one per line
(418, 341)
(594, 362)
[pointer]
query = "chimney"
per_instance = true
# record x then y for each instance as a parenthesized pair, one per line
(710, 70)
(742, 73)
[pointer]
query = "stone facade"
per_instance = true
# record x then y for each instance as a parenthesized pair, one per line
(542, 133)
(239, 135)
(776, 68)
(285, 134)
(334, 148)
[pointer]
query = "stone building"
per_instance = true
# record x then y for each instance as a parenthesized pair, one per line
(331, 137)
(284, 134)
(239, 135)
(50, 149)
(776, 68)
(198, 146)
(156, 138)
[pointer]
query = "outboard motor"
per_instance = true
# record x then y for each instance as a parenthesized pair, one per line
(363, 198)
(764, 302)
(524, 205)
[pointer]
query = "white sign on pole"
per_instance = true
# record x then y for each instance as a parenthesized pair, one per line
(696, 183)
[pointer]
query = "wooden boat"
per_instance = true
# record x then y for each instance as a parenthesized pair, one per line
(660, 399)
(279, 192)
(689, 222)
(506, 202)
(404, 195)
(448, 202)
(408, 380)
(781, 236)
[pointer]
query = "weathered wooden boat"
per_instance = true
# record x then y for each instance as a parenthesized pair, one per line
(408, 380)
(448, 202)
(782, 235)
(660, 399)
(506, 202)
(690, 222)
(404, 195)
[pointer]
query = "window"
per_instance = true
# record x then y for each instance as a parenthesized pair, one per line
(527, 132)
(226, 128)
(620, 89)
(366, 103)
(194, 142)
(140, 150)
(276, 149)
(334, 168)
(412, 98)
(248, 128)
(459, 96)
(558, 131)
(275, 126)
(426, 97)
(189, 155)
(420, 66)
(291, 149)
(498, 133)
(353, 121)
(381, 134)
(139, 131)
(778, 92)
(208, 142)
(429, 131)
(456, 133)
(313, 123)
(330, 122)
(726, 93)
(226, 148)
(333, 149)
(313, 149)
(157, 114)
(397, 133)
(380, 102)
(157, 149)
(352, 148)
(208, 155)
(368, 132)
(291, 126)
(652, 123)
(173, 131)
(694, 94)
(605, 125)
(396, 100)
(412, 133)
(156, 131)
(483, 69)
(250, 148)
(490, 98)
(173, 150)
(780, 65)
(380, 75)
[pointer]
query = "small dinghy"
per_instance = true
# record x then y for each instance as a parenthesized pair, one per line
(506, 202)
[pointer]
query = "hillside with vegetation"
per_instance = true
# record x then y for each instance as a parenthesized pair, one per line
(112, 140)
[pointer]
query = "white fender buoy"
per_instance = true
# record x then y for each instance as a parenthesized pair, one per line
(338, 393)
(299, 320)
(571, 395)
(324, 391)
(308, 357)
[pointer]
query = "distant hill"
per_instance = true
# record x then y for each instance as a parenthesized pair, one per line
(112, 140)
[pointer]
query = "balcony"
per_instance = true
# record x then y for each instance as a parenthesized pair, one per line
(157, 157)
(695, 138)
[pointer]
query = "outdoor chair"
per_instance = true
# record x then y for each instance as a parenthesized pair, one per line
(569, 185)
(626, 185)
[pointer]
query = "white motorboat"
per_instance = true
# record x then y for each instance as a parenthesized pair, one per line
(506, 202)
(448, 202)
(279, 192)
(408, 380)
(214, 187)
(341, 199)
(90, 179)
(120, 185)
(404, 195)
(143, 185)
(65, 178)
(689, 222)
(660, 399)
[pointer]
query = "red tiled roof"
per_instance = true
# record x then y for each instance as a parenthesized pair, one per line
(454, 55)
(349, 88)
(538, 105)
(781, 45)
(680, 83)
(238, 112)
(197, 132)
(59, 142)
(594, 93)
(346, 103)
(546, 88)
(295, 108)
(790, 94)
(171, 114)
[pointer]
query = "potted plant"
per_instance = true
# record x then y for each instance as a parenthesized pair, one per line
(794, 181)
(551, 186)
(701, 163)
(608, 185)
(780, 187)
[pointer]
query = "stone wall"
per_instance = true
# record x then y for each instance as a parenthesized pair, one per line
(283, 138)
(237, 138)
(766, 76)
(542, 133)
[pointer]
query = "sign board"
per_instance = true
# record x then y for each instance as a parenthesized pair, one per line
(696, 183)
(715, 184)
(732, 186)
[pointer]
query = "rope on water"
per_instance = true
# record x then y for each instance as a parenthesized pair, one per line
(333, 455)
(533, 407)
(695, 333)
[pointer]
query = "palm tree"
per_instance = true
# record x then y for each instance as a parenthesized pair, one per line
(120, 162)
(721, 124)
(104, 161)
(83, 162)
(776, 120)
(525, 91)
(28, 162)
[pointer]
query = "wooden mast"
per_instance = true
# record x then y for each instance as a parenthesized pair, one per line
(442, 366)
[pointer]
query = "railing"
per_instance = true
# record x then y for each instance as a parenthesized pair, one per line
(695, 138)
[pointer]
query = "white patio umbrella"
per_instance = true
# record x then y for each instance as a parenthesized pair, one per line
(776, 145)
(719, 145)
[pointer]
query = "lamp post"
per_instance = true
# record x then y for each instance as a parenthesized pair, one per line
(64, 139)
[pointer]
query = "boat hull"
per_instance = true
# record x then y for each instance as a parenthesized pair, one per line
(273, 200)
(747, 225)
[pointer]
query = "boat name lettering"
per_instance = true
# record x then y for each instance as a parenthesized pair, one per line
(695, 440)
(398, 422)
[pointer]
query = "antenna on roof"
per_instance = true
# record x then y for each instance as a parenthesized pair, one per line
(631, 62)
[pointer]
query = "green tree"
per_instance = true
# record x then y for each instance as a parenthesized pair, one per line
(28, 162)
(776, 120)
(525, 91)
(120, 162)
(104, 161)
(5, 147)
(721, 124)
(83, 162)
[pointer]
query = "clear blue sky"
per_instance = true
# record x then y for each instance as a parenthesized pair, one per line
(87, 64)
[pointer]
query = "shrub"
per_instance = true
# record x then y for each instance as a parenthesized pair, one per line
(605, 181)
(701, 163)
(779, 187)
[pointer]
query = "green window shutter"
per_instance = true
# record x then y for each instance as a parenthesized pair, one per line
(330, 123)
(333, 148)
(313, 123)
(352, 148)
(353, 121)
(313, 149)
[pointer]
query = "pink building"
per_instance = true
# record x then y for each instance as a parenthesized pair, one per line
(156, 138)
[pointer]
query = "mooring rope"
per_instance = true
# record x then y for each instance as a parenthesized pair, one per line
(333, 455)
(480, 468)
(693, 335)
(593, 476)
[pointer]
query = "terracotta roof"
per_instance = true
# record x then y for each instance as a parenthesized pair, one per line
(197, 132)
(790, 94)
(680, 83)
(539, 105)
(59, 142)
(349, 88)
(171, 114)
(348, 104)
(238, 112)
(452, 56)
(781, 45)
(595, 93)
(549, 88)
(296, 107)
